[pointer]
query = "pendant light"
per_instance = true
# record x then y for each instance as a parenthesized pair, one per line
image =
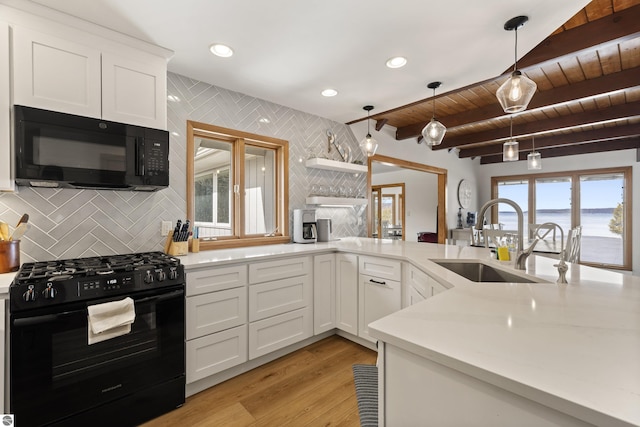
(510, 148)
(368, 145)
(534, 160)
(515, 94)
(434, 131)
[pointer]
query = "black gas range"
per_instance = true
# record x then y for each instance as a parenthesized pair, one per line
(123, 380)
(47, 283)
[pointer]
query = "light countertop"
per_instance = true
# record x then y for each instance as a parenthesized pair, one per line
(574, 347)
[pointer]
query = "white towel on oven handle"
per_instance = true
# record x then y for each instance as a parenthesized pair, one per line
(110, 320)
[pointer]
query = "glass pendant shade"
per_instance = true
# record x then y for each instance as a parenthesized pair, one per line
(534, 161)
(433, 132)
(368, 145)
(510, 151)
(515, 94)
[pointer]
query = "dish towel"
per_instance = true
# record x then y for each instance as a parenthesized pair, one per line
(110, 320)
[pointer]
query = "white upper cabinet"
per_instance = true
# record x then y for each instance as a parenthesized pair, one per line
(55, 73)
(133, 91)
(6, 183)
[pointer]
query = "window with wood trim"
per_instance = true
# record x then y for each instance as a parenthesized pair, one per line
(237, 192)
(597, 200)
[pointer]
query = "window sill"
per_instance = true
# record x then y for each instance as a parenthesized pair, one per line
(206, 245)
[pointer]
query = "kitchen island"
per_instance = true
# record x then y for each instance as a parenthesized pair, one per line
(563, 354)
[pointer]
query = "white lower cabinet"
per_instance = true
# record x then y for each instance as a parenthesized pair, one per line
(214, 353)
(378, 298)
(279, 331)
(216, 320)
(280, 304)
(418, 285)
(324, 293)
(347, 293)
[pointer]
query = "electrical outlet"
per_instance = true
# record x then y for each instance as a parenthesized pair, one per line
(166, 227)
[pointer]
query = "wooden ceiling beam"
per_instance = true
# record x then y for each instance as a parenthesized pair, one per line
(563, 94)
(614, 28)
(544, 142)
(572, 150)
(380, 124)
(586, 118)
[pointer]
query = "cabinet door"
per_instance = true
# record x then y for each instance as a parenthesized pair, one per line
(378, 298)
(55, 74)
(134, 92)
(380, 267)
(347, 293)
(279, 269)
(277, 332)
(215, 279)
(415, 296)
(216, 311)
(324, 293)
(277, 297)
(6, 183)
(214, 353)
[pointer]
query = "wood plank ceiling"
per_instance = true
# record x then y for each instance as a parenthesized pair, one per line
(587, 101)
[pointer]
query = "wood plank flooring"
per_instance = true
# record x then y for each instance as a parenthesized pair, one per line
(310, 387)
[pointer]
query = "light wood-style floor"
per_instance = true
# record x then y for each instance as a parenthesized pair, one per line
(310, 387)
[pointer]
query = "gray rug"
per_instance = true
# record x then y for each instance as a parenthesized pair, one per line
(365, 378)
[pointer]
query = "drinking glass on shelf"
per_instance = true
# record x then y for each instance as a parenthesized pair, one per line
(322, 190)
(314, 191)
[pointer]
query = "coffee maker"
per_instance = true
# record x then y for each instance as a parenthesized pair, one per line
(304, 226)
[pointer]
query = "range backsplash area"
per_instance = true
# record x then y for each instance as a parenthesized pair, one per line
(67, 223)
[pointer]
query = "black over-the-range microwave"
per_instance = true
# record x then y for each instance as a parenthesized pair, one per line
(55, 149)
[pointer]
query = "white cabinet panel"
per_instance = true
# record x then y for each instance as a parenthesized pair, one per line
(381, 267)
(414, 296)
(216, 352)
(272, 298)
(279, 269)
(347, 293)
(215, 279)
(378, 298)
(6, 181)
(216, 311)
(55, 74)
(324, 293)
(279, 331)
(133, 92)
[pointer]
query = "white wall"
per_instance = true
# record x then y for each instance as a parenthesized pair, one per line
(573, 163)
(457, 169)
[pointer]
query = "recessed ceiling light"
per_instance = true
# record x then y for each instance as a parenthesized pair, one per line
(329, 92)
(173, 98)
(396, 62)
(221, 50)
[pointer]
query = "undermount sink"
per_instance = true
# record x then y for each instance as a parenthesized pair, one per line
(477, 271)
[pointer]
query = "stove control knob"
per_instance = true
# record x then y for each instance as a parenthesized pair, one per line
(30, 294)
(148, 277)
(173, 274)
(161, 275)
(49, 292)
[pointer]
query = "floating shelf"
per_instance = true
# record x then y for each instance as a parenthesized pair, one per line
(333, 165)
(335, 201)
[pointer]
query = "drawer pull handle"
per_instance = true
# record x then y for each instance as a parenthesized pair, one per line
(378, 282)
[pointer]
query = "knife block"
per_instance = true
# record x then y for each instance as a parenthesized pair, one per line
(175, 248)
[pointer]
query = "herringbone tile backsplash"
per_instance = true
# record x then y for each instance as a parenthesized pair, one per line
(68, 223)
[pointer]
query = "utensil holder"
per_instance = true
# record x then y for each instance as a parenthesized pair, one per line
(175, 248)
(194, 245)
(9, 256)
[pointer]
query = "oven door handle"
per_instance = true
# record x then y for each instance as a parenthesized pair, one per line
(47, 318)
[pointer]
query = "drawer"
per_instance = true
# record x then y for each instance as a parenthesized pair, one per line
(216, 311)
(419, 280)
(380, 267)
(215, 279)
(279, 331)
(279, 269)
(216, 352)
(272, 298)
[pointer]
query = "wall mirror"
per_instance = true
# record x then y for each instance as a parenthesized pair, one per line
(237, 187)
(422, 200)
